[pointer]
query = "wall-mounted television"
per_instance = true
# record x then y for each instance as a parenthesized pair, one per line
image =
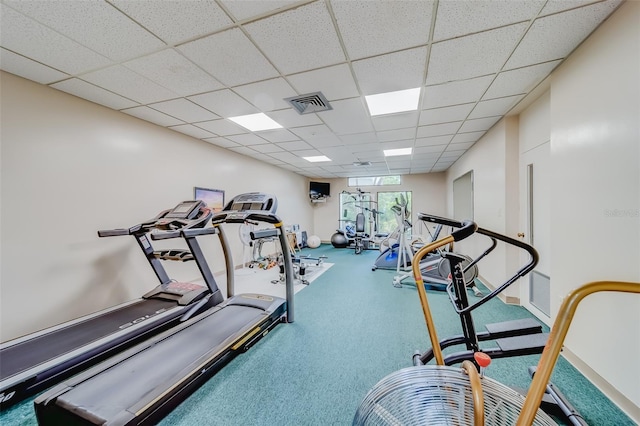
(319, 189)
(213, 197)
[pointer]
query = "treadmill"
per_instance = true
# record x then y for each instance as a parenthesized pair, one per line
(36, 361)
(144, 383)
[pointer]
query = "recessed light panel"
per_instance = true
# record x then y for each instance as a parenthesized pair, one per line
(396, 152)
(317, 159)
(393, 102)
(255, 122)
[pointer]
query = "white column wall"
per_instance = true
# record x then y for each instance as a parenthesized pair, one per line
(595, 191)
(71, 167)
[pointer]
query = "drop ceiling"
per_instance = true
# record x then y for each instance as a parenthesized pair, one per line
(190, 65)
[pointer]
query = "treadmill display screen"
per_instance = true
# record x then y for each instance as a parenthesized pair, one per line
(182, 210)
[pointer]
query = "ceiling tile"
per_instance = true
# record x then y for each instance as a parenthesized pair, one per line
(170, 69)
(230, 57)
(324, 141)
(480, 124)
(222, 127)
(291, 50)
(220, 141)
(554, 6)
(445, 114)
(348, 116)
(125, 82)
(247, 139)
(225, 103)
(152, 116)
(494, 107)
(438, 129)
(474, 55)
(467, 137)
(278, 135)
(334, 82)
(40, 43)
(555, 36)
(400, 134)
(184, 110)
(32, 70)
(243, 150)
(95, 94)
(397, 144)
(176, 21)
(435, 140)
(395, 121)
(294, 145)
(290, 118)
(243, 9)
(94, 24)
(191, 130)
(457, 92)
(308, 153)
(456, 18)
(267, 148)
(359, 138)
(459, 146)
(388, 73)
(267, 95)
(431, 149)
(520, 80)
(373, 28)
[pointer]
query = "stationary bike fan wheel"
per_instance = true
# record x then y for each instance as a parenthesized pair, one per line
(438, 395)
(469, 276)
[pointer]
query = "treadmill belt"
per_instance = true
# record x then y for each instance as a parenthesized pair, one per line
(118, 388)
(33, 352)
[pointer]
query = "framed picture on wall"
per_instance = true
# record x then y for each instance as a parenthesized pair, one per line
(213, 197)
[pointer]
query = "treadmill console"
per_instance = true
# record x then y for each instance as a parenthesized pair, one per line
(256, 205)
(185, 210)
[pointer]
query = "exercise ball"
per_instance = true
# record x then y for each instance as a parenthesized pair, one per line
(313, 241)
(339, 240)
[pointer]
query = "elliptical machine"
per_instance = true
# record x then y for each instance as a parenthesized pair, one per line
(398, 253)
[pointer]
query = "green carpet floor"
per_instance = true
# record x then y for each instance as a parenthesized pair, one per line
(352, 328)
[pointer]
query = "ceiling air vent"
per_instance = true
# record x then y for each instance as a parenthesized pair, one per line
(361, 163)
(311, 102)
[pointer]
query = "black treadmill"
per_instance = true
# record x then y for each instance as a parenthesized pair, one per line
(34, 362)
(144, 383)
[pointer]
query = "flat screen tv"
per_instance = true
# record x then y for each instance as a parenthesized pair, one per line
(319, 189)
(213, 197)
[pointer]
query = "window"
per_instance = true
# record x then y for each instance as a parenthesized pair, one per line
(374, 181)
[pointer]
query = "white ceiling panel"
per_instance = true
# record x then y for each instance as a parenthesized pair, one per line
(88, 91)
(247, 139)
(373, 28)
(278, 135)
(395, 121)
(291, 118)
(222, 127)
(348, 116)
(292, 50)
(454, 93)
(184, 110)
(520, 80)
(474, 55)
(191, 130)
(225, 103)
(480, 124)
(27, 68)
(438, 129)
(153, 116)
(555, 36)
(94, 24)
(494, 107)
(184, 64)
(40, 43)
(267, 95)
(125, 82)
(335, 82)
(230, 57)
(388, 73)
(176, 21)
(170, 69)
(457, 18)
(445, 114)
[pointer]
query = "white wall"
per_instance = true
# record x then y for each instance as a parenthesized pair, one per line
(428, 192)
(595, 193)
(71, 167)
